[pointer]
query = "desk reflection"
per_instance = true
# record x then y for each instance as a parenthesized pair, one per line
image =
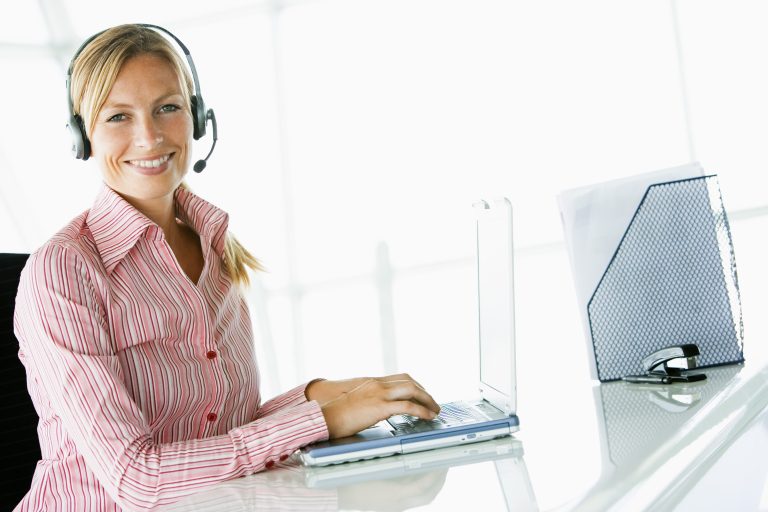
(657, 440)
(395, 483)
(637, 418)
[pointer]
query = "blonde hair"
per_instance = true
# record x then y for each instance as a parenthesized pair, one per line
(94, 72)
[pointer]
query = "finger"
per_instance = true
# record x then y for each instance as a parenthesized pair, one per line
(394, 390)
(404, 378)
(411, 408)
(409, 390)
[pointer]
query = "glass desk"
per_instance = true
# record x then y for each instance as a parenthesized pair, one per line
(696, 446)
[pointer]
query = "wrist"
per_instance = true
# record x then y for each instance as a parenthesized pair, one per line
(311, 391)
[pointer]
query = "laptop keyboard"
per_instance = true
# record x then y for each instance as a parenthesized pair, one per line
(451, 415)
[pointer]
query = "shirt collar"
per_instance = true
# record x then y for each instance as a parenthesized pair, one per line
(208, 221)
(116, 225)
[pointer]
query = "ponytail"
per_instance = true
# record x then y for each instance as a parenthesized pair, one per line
(237, 261)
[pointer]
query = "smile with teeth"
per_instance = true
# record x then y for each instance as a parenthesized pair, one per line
(149, 164)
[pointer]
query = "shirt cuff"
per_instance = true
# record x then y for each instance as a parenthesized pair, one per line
(273, 439)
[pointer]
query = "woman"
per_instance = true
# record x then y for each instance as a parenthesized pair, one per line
(131, 321)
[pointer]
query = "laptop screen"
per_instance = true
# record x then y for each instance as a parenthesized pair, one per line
(495, 296)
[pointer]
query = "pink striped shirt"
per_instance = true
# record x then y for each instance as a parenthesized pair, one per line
(145, 382)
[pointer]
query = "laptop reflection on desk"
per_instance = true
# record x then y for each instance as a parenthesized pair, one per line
(505, 453)
(490, 416)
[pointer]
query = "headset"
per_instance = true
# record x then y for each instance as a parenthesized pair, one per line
(81, 146)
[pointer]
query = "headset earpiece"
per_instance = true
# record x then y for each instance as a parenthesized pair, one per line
(199, 118)
(81, 146)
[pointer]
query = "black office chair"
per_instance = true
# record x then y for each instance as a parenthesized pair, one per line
(19, 445)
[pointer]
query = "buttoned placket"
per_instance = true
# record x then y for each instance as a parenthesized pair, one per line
(204, 334)
(209, 346)
(212, 368)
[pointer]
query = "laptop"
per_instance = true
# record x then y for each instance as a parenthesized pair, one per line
(493, 413)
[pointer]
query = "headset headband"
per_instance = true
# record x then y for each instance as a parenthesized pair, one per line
(183, 47)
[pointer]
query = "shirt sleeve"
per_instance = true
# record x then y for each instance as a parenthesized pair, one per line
(292, 398)
(63, 332)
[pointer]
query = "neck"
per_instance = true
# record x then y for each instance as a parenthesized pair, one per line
(161, 211)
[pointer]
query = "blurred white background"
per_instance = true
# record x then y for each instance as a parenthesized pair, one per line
(354, 136)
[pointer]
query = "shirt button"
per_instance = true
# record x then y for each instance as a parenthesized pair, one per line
(283, 457)
(269, 464)
(211, 354)
(212, 416)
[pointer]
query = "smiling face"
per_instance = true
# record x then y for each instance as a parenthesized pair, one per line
(142, 135)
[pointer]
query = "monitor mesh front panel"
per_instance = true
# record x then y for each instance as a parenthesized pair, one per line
(671, 281)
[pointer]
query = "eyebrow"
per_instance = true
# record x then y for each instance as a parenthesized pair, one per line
(159, 99)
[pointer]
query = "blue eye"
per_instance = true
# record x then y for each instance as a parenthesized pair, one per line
(116, 118)
(169, 108)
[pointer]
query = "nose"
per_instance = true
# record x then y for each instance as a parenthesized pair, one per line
(147, 132)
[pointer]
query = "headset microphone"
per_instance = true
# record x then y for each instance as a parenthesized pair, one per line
(200, 164)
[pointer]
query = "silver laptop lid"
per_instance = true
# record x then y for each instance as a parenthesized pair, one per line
(496, 306)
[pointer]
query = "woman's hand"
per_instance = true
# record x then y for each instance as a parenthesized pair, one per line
(352, 405)
(326, 390)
